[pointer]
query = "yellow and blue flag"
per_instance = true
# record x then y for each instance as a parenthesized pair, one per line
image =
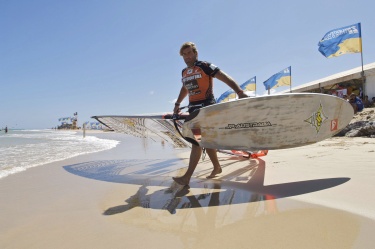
(249, 85)
(225, 97)
(341, 41)
(282, 78)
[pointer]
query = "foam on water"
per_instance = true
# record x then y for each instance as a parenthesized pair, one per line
(23, 149)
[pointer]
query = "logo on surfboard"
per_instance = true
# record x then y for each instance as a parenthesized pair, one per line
(248, 125)
(334, 124)
(317, 118)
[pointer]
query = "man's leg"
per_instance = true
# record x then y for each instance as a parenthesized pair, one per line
(195, 156)
(212, 153)
(355, 107)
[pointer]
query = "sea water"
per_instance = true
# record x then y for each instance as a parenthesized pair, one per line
(23, 149)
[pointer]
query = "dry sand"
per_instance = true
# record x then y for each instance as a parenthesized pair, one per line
(317, 196)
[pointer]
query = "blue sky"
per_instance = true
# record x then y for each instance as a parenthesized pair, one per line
(122, 57)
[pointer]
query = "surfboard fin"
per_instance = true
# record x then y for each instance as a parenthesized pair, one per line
(259, 153)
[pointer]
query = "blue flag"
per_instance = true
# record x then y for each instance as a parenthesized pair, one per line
(249, 85)
(282, 78)
(228, 95)
(341, 41)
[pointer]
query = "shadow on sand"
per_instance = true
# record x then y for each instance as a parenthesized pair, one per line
(200, 193)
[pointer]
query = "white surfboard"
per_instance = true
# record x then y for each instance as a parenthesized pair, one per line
(260, 123)
(270, 122)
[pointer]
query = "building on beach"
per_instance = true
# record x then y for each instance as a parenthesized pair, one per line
(344, 83)
(69, 123)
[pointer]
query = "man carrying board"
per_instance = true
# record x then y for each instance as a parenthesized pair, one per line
(197, 82)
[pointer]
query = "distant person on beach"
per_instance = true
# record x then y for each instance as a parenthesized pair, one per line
(356, 102)
(197, 82)
(6, 129)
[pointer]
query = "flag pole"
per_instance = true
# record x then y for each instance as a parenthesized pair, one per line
(363, 71)
(290, 79)
(363, 76)
(255, 86)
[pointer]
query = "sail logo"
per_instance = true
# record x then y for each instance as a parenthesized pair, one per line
(129, 122)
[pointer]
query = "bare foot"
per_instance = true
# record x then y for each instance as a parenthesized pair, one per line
(181, 180)
(214, 173)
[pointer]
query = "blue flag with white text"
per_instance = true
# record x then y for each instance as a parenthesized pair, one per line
(282, 78)
(228, 95)
(249, 85)
(341, 41)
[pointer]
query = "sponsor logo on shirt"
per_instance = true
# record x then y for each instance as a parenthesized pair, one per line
(190, 78)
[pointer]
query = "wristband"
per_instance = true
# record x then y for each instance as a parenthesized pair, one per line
(176, 103)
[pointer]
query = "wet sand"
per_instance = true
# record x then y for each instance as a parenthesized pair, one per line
(317, 196)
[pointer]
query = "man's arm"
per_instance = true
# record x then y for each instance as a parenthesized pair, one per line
(231, 83)
(181, 96)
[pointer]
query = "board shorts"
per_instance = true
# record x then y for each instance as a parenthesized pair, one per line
(199, 104)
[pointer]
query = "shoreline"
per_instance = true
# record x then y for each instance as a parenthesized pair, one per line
(125, 197)
(14, 160)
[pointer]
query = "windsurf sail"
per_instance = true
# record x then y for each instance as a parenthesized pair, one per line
(155, 127)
